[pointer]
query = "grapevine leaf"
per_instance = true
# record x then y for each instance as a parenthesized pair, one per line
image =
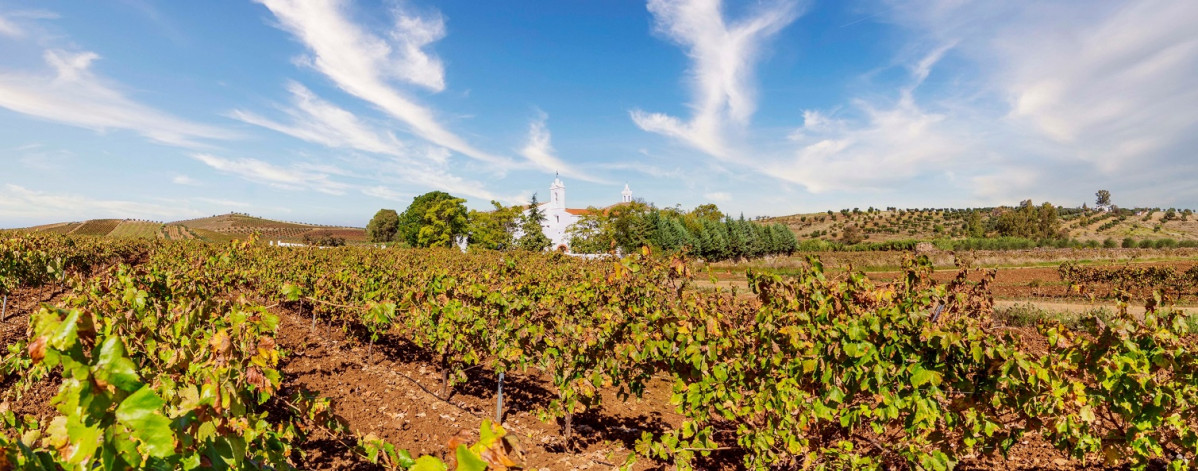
(114, 367)
(429, 463)
(468, 461)
(140, 413)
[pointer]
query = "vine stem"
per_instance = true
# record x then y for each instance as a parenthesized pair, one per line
(4, 309)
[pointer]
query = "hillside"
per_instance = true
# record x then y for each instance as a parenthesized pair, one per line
(891, 224)
(233, 225)
(220, 229)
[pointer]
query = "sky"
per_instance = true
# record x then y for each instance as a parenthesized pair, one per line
(325, 111)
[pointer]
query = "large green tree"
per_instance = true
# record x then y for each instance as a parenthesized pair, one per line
(413, 218)
(443, 223)
(495, 229)
(383, 226)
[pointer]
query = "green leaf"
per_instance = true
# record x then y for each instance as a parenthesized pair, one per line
(291, 292)
(921, 376)
(429, 463)
(468, 461)
(114, 367)
(404, 459)
(140, 413)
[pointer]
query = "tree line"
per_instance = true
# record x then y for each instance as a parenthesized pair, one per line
(438, 219)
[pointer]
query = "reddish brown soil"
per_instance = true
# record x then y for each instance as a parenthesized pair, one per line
(35, 400)
(393, 395)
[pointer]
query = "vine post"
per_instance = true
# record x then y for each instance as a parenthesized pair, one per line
(499, 401)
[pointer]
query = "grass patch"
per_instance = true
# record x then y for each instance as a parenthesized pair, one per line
(1028, 314)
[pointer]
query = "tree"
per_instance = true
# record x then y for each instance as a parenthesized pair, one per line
(974, 225)
(495, 229)
(851, 235)
(383, 226)
(534, 238)
(707, 211)
(1104, 198)
(443, 223)
(412, 219)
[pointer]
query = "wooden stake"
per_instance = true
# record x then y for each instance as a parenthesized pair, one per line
(499, 401)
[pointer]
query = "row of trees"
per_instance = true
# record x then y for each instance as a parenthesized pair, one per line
(705, 232)
(437, 219)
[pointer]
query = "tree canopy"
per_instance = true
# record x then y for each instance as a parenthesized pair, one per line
(495, 229)
(444, 221)
(413, 218)
(383, 226)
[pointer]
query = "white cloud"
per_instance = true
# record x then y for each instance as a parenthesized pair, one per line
(20, 203)
(718, 196)
(383, 192)
(363, 64)
(184, 180)
(8, 28)
(890, 144)
(539, 151)
(1101, 91)
(723, 55)
(74, 95)
(295, 177)
(316, 120)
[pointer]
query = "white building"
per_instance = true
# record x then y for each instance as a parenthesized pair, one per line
(558, 217)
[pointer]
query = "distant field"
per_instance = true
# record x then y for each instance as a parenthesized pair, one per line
(60, 228)
(212, 236)
(137, 230)
(96, 227)
(176, 232)
(227, 227)
(878, 225)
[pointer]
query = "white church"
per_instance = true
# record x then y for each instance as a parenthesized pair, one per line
(558, 217)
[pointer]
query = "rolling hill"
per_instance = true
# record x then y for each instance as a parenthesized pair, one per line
(220, 228)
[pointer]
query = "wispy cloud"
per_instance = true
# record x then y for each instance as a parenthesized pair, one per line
(718, 196)
(184, 180)
(539, 151)
(365, 64)
(888, 144)
(8, 28)
(383, 192)
(73, 95)
(316, 120)
(294, 177)
(21, 203)
(723, 55)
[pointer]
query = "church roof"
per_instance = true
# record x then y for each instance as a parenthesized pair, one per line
(577, 212)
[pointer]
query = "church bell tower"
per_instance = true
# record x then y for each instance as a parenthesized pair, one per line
(557, 193)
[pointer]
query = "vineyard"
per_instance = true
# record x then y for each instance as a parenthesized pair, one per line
(185, 355)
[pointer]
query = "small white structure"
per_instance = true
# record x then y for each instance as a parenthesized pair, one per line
(558, 217)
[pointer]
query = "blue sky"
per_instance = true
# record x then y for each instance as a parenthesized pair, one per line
(326, 111)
